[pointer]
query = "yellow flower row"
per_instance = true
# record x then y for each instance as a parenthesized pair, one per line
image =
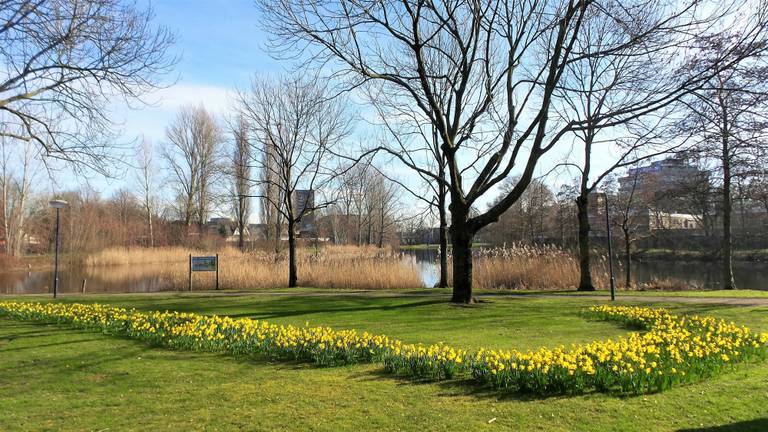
(673, 349)
(320, 345)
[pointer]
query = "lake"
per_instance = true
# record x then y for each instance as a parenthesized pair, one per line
(706, 275)
(145, 279)
(110, 279)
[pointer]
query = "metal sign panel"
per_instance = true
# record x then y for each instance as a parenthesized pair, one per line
(203, 263)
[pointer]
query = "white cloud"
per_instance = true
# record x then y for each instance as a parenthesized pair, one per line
(152, 120)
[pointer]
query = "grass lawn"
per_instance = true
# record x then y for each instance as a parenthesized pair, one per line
(57, 378)
(740, 293)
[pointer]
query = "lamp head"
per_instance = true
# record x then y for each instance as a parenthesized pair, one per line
(58, 204)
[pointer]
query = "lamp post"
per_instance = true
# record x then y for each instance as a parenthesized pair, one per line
(610, 248)
(58, 205)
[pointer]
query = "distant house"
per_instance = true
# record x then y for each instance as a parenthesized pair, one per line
(305, 203)
(420, 236)
(666, 176)
(224, 227)
(645, 219)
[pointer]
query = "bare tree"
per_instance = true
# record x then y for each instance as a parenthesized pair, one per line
(270, 195)
(64, 60)
(385, 197)
(16, 177)
(758, 189)
(192, 157)
(626, 214)
(729, 118)
(296, 126)
(146, 180)
(364, 189)
(240, 174)
(527, 219)
(697, 196)
(415, 140)
(484, 73)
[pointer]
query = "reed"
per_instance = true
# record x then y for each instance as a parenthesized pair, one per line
(669, 284)
(521, 267)
(348, 267)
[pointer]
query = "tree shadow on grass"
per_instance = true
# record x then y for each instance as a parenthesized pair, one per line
(28, 334)
(756, 425)
(281, 307)
(364, 307)
(464, 386)
(47, 345)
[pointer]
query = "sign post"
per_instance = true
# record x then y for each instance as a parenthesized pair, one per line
(204, 264)
(190, 272)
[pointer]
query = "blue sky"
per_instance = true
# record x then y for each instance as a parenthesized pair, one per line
(220, 47)
(220, 40)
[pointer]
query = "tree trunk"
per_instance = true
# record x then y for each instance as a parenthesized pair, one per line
(585, 281)
(461, 240)
(241, 236)
(4, 203)
(627, 259)
(381, 228)
(292, 276)
(151, 231)
(370, 233)
(359, 228)
(277, 237)
(441, 192)
(728, 282)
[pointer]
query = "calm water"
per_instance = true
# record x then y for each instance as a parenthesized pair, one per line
(122, 279)
(112, 279)
(706, 275)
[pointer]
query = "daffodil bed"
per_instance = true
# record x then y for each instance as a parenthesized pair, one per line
(669, 350)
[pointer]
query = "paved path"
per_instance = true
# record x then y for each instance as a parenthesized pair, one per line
(736, 301)
(621, 297)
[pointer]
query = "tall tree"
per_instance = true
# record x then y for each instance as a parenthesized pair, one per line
(192, 155)
(147, 186)
(626, 213)
(240, 173)
(270, 196)
(296, 124)
(484, 73)
(64, 61)
(729, 119)
(17, 172)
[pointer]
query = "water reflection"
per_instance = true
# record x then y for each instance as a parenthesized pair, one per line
(154, 278)
(703, 275)
(112, 279)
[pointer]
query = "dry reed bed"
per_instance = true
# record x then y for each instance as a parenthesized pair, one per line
(516, 267)
(329, 267)
(520, 267)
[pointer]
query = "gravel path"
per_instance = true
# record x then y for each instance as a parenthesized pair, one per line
(621, 297)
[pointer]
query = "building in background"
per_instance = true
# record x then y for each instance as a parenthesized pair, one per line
(305, 206)
(660, 181)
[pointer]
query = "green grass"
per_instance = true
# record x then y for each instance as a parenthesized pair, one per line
(620, 294)
(757, 294)
(701, 255)
(57, 378)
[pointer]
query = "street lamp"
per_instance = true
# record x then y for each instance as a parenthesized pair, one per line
(610, 248)
(58, 205)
